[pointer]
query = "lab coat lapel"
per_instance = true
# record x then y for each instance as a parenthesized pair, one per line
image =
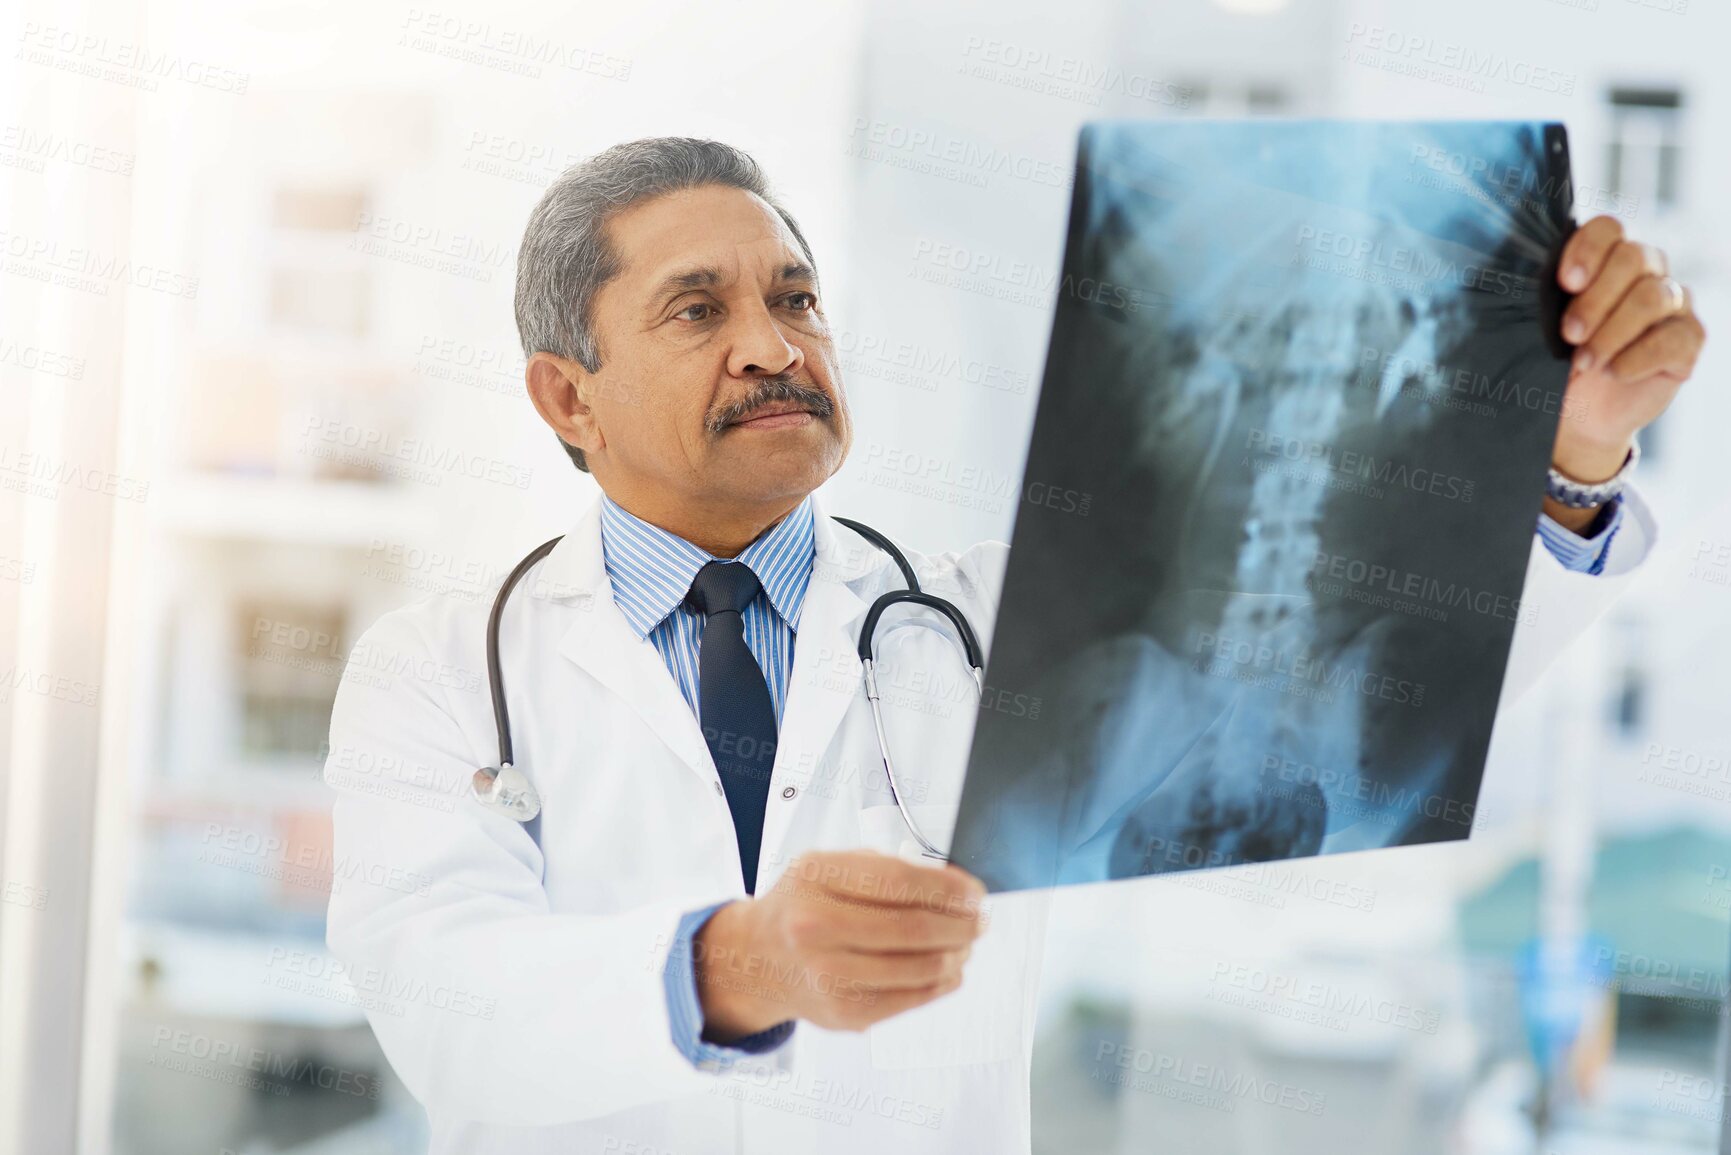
(600, 641)
(825, 678)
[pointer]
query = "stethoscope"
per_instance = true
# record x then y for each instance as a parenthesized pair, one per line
(505, 789)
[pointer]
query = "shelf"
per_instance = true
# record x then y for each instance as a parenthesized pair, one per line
(298, 790)
(240, 975)
(297, 510)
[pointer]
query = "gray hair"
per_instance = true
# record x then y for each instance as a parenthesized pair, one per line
(566, 255)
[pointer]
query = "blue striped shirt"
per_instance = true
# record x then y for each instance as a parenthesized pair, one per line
(1583, 552)
(651, 571)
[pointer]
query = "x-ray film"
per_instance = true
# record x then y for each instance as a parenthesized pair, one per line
(1279, 500)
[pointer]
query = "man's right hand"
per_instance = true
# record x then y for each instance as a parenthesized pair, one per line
(843, 940)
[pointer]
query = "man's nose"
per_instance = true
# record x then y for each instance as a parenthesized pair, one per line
(759, 347)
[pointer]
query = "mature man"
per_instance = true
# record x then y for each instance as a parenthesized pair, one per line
(711, 940)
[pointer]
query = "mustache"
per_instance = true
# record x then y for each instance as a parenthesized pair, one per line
(769, 391)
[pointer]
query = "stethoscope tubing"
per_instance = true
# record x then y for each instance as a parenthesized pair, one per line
(913, 594)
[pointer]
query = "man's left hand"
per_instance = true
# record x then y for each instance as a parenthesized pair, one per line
(1636, 339)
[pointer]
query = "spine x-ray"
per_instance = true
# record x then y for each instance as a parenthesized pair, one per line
(1304, 374)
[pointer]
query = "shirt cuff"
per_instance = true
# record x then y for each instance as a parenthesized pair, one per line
(1583, 552)
(685, 1012)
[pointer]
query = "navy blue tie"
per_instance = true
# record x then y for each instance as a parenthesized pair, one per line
(733, 702)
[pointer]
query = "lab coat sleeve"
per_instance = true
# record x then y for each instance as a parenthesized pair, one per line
(1557, 605)
(491, 1008)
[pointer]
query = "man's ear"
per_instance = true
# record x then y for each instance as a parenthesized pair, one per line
(558, 387)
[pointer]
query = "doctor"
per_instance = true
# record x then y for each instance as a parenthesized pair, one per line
(715, 937)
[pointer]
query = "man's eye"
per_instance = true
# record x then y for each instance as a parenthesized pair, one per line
(802, 302)
(703, 315)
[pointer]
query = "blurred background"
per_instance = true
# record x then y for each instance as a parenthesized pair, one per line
(259, 383)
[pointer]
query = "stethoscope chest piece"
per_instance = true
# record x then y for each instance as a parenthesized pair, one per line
(506, 790)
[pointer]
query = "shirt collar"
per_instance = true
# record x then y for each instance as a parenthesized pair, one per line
(651, 569)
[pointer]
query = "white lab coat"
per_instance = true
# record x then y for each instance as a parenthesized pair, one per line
(517, 989)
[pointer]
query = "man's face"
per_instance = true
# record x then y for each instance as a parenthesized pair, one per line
(718, 379)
